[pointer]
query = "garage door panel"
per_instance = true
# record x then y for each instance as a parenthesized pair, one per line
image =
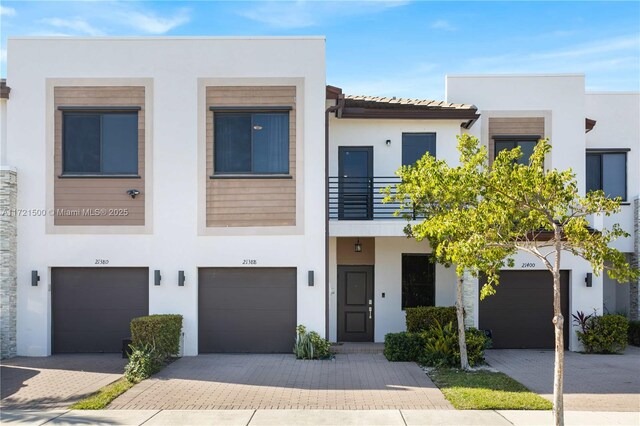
(246, 309)
(520, 314)
(93, 307)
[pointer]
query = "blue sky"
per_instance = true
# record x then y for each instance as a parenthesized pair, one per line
(387, 48)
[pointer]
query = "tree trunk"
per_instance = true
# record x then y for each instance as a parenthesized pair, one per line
(558, 322)
(464, 360)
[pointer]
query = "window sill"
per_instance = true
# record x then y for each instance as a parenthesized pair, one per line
(251, 176)
(98, 176)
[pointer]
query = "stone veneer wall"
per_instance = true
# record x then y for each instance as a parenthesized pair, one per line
(634, 294)
(8, 249)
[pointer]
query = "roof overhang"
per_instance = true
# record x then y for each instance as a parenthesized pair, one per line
(589, 124)
(4, 89)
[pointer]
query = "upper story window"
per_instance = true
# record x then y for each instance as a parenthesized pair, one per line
(418, 280)
(526, 144)
(251, 142)
(607, 170)
(99, 142)
(415, 145)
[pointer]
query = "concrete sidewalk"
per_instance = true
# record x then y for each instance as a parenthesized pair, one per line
(313, 417)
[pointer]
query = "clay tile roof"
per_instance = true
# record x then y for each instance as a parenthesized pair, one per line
(4, 89)
(385, 102)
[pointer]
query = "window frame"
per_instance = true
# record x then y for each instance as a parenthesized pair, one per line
(271, 109)
(98, 110)
(428, 261)
(514, 139)
(601, 152)
(435, 145)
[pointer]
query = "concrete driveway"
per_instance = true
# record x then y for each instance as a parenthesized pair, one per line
(591, 382)
(221, 381)
(57, 381)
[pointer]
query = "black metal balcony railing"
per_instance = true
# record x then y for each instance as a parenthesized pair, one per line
(360, 198)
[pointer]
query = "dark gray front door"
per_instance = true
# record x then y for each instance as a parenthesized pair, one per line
(246, 310)
(355, 304)
(519, 315)
(93, 307)
(355, 183)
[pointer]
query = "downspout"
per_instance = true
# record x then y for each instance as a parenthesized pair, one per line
(332, 109)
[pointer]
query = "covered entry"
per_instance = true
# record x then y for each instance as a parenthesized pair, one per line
(246, 310)
(92, 307)
(519, 315)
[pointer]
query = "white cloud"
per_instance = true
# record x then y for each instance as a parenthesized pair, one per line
(443, 25)
(150, 23)
(302, 14)
(76, 25)
(7, 11)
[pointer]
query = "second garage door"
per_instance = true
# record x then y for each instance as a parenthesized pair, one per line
(246, 310)
(519, 315)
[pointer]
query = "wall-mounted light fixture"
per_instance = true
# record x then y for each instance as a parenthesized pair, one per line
(588, 280)
(34, 278)
(388, 142)
(357, 246)
(181, 278)
(156, 277)
(310, 279)
(133, 192)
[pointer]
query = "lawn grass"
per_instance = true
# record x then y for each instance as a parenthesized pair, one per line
(103, 396)
(486, 390)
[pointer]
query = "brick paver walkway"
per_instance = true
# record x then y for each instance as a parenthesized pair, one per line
(56, 381)
(591, 382)
(221, 381)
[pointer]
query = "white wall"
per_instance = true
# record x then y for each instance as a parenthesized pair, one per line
(617, 116)
(174, 65)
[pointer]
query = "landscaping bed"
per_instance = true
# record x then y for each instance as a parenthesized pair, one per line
(485, 390)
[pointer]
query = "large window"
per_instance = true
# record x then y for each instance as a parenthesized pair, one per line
(526, 145)
(418, 280)
(415, 145)
(251, 142)
(607, 171)
(100, 142)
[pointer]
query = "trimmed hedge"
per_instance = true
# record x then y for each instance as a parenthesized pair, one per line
(160, 332)
(404, 346)
(605, 334)
(423, 318)
(634, 333)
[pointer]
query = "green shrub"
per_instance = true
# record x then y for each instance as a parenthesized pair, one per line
(310, 345)
(442, 348)
(604, 334)
(634, 333)
(404, 346)
(423, 317)
(161, 332)
(144, 361)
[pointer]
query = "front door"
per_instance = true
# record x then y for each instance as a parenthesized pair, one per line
(355, 168)
(355, 304)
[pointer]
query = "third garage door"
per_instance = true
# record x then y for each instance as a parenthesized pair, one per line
(246, 309)
(519, 315)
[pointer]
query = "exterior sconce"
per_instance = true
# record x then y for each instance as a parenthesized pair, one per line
(388, 142)
(310, 279)
(181, 278)
(357, 246)
(34, 278)
(157, 277)
(133, 192)
(588, 280)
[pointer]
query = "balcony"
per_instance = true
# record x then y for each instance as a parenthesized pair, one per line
(360, 198)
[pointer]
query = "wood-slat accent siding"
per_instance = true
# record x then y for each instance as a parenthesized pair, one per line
(88, 193)
(251, 202)
(513, 126)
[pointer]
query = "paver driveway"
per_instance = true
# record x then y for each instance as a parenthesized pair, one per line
(222, 381)
(56, 381)
(591, 382)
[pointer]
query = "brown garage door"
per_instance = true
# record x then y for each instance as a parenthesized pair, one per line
(246, 310)
(519, 315)
(92, 307)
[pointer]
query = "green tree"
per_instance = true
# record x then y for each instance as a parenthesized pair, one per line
(515, 207)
